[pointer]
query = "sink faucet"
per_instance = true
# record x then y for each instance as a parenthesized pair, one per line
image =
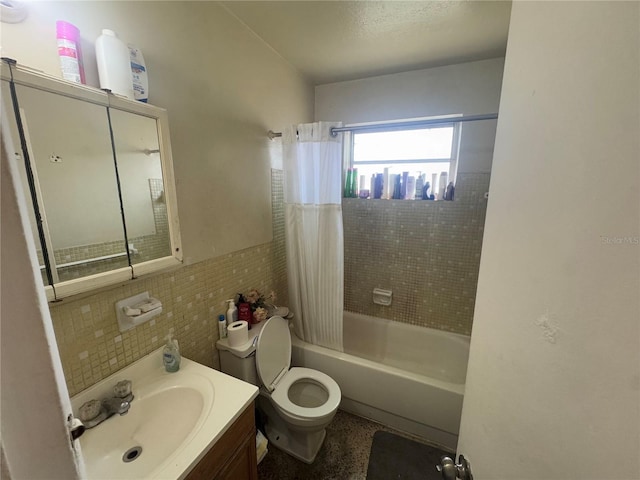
(121, 401)
(116, 405)
(95, 412)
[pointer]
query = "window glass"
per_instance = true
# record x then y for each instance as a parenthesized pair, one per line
(423, 144)
(424, 153)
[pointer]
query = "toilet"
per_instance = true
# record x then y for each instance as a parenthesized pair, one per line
(298, 403)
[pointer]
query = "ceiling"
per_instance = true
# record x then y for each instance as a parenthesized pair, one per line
(331, 41)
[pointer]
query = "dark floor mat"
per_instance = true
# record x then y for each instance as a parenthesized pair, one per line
(394, 457)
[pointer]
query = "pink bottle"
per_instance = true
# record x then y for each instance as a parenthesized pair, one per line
(70, 52)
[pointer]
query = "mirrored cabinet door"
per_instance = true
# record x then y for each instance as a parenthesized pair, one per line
(24, 183)
(97, 174)
(50, 277)
(71, 155)
(142, 185)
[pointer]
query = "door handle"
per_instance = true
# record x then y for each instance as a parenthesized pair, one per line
(452, 471)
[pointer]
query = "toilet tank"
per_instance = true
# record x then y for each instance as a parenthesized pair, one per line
(242, 368)
(240, 361)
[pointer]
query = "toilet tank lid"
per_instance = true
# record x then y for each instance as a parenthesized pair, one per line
(247, 348)
(242, 351)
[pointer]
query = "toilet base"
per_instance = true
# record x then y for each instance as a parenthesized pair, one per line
(303, 446)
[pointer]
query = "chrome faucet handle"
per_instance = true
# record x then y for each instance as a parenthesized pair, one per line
(90, 410)
(122, 389)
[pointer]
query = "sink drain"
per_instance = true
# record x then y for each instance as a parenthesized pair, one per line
(131, 454)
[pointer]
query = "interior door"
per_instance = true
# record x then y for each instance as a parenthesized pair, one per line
(553, 386)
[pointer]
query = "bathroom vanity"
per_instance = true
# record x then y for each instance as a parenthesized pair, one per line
(197, 423)
(234, 455)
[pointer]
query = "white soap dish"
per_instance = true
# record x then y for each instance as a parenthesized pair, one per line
(382, 297)
(136, 310)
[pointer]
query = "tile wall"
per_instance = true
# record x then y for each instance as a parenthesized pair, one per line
(427, 253)
(92, 348)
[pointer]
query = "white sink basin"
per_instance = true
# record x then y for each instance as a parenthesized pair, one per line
(173, 420)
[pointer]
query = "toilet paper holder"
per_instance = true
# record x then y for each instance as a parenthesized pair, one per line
(382, 297)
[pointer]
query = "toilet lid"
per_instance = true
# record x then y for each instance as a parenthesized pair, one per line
(273, 351)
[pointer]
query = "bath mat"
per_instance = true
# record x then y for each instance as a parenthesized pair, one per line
(395, 457)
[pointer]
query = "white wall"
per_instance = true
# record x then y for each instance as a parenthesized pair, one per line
(223, 88)
(553, 388)
(35, 400)
(467, 88)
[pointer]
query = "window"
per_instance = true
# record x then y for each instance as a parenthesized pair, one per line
(424, 153)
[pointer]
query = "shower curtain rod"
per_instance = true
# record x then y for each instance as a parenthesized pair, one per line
(410, 123)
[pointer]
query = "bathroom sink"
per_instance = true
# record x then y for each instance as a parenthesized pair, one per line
(173, 420)
(139, 433)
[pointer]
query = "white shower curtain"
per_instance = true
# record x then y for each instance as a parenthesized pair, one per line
(314, 239)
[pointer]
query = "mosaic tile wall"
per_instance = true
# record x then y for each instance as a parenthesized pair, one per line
(92, 348)
(427, 253)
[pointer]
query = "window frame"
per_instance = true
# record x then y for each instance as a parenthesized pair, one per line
(397, 125)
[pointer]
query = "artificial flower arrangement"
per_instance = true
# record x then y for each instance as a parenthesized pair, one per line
(258, 304)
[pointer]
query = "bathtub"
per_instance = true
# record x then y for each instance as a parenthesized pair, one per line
(407, 377)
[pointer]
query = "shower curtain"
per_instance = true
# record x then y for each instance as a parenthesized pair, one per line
(313, 231)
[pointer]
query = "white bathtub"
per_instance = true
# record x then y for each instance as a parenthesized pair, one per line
(407, 377)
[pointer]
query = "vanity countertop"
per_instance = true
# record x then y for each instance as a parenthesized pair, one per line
(174, 417)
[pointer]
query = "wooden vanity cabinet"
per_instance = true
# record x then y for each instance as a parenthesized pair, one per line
(233, 457)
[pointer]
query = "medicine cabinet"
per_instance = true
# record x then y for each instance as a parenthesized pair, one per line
(98, 176)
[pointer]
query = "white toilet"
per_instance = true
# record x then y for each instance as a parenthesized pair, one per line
(299, 403)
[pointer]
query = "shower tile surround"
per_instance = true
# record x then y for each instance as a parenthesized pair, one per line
(427, 253)
(91, 347)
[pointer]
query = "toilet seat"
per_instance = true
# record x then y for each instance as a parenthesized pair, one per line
(273, 359)
(281, 394)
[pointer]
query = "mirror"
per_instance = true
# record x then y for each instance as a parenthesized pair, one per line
(141, 182)
(11, 129)
(100, 173)
(72, 157)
